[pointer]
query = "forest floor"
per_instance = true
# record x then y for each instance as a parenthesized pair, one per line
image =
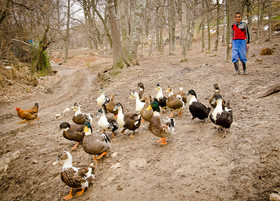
(198, 163)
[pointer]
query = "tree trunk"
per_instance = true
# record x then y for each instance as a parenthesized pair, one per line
(228, 28)
(258, 32)
(124, 27)
(225, 24)
(67, 31)
(208, 26)
(40, 59)
(3, 13)
(184, 28)
(152, 41)
(159, 25)
(60, 47)
(118, 62)
(249, 17)
(202, 27)
(192, 24)
(269, 19)
(172, 24)
(104, 22)
(136, 31)
(217, 27)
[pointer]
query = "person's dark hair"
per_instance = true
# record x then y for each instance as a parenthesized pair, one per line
(238, 13)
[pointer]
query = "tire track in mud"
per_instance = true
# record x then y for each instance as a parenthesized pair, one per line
(39, 142)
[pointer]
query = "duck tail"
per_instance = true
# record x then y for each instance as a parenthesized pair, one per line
(107, 139)
(89, 117)
(138, 121)
(208, 111)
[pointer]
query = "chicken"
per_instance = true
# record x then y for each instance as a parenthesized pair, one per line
(28, 115)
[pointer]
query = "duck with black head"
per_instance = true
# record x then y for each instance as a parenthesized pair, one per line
(197, 109)
(222, 115)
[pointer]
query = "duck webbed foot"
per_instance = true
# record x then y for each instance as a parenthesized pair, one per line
(80, 192)
(75, 147)
(69, 196)
(162, 140)
(101, 155)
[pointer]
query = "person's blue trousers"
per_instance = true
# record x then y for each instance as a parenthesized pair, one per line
(239, 50)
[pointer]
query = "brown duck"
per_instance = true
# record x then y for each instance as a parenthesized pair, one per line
(95, 144)
(72, 132)
(75, 177)
(174, 102)
(159, 128)
(146, 114)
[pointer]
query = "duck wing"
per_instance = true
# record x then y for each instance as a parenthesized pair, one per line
(199, 110)
(69, 176)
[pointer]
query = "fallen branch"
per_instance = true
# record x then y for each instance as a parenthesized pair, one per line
(272, 90)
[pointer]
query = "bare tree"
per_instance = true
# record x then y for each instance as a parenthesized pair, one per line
(118, 61)
(136, 31)
(269, 19)
(217, 26)
(202, 26)
(184, 28)
(172, 24)
(228, 29)
(208, 26)
(192, 24)
(67, 31)
(225, 23)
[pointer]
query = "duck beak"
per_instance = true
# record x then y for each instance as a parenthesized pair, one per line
(56, 161)
(85, 129)
(150, 107)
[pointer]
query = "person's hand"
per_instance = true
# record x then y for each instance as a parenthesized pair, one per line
(230, 46)
(247, 46)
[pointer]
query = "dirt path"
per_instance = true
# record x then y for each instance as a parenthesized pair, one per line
(197, 164)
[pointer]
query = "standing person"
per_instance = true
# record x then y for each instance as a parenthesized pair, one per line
(239, 42)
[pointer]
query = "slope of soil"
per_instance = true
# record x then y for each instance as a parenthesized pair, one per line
(198, 163)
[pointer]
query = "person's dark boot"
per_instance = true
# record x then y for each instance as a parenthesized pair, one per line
(236, 66)
(244, 69)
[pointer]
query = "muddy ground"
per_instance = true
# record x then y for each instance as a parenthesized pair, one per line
(198, 163)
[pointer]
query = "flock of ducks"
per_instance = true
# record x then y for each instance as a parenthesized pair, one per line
(147, 109)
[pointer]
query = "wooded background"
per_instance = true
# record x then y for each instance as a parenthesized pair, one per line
(30, 27)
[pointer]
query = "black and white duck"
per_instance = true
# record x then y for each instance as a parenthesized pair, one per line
(106, 124)
(160, 98)
(131, 121)
(222, 115)
(197, 109)
(75, 177)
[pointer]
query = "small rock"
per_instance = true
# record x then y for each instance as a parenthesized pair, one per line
(8, 67)
(115, 166)
(58, 116)
(245, 97)
(259, 60)
(34, 162)
(114, 155)
(274, 197)
(119, 187)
